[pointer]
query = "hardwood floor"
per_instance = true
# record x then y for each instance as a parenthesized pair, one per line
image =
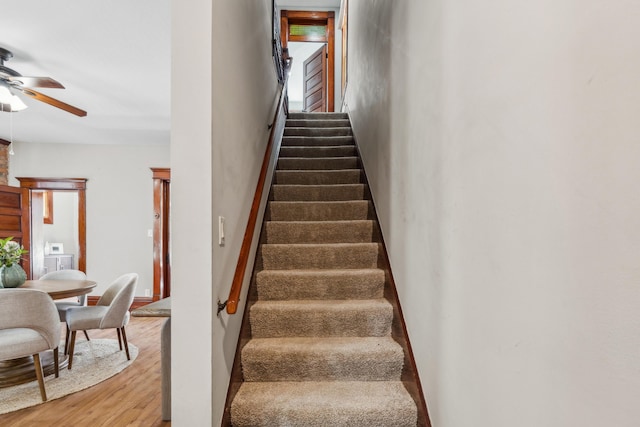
(130, 398)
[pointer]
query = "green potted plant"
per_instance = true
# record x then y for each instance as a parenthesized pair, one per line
(11, 273)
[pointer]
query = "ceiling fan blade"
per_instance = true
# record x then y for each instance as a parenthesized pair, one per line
(52, 101)
(47, 82)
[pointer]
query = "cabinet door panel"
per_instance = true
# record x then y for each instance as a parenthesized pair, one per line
(66, 262)
(50, 264)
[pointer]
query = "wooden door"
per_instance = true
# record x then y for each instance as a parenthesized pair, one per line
(315, 81)
(14, 220)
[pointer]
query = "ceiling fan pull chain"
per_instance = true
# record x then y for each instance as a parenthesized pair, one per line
(11, 152)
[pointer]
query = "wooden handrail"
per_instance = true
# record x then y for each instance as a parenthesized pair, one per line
(243, 258)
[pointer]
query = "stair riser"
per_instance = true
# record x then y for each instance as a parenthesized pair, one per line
(306, 141)
(312, 362)
(318, 116)
(301, 257)
(311, 285)
(331, 321)
(333, 123)
(318, 232)
(319, 151)
(341, 192)
(331, 163)
(319, 211)
(339, 131)
(350, 176)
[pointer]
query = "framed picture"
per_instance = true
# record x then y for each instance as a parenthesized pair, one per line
(56, 249)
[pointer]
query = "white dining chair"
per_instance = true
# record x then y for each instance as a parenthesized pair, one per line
(63, 306)
(111, 311)
(28, 326)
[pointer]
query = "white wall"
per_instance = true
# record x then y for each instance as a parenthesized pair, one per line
(65, 223)
(191, 214)
(501, 142)
(119, 201)
(219, 135)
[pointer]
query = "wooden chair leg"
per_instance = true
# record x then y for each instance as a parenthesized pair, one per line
(66, 339)
(56, 364)
(72, 344)
(126, 345)
(40, 376)
(119, 339)
(86, 335)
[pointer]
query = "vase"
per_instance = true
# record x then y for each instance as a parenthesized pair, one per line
(13, 276)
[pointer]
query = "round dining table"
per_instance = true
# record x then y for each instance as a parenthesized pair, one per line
(19, 371)
(60, 289)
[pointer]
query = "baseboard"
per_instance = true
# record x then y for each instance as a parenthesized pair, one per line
(137, 301)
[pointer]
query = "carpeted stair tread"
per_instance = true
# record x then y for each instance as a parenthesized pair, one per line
(317, 163)
(312, 141)
(335, 192)
(324, 403)
(321, 318)
(319, 210)
(325, 177)
(319, 256)
(318, 116)
(366, 283)
(318, 231)
(303, 131)
(326, 123)
(318, 151)
(318, 359)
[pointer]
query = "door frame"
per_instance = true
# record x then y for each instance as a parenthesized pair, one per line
(78, 185)
(161, 248)
(291, 17)
(344, 26)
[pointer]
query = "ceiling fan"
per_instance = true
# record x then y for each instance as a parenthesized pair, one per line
(10, 79)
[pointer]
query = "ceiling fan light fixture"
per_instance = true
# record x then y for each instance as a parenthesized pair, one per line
(17, 104)
(10, 102)
(5, 94)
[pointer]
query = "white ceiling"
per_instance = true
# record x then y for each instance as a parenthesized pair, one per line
(113, 57)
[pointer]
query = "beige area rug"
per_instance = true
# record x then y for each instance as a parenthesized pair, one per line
(93, 362)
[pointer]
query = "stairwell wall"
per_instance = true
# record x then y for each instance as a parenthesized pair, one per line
(500, 141)
(223, 89)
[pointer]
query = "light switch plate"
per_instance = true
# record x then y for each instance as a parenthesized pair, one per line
(221, 230)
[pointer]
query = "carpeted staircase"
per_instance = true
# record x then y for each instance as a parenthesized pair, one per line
(321, 351)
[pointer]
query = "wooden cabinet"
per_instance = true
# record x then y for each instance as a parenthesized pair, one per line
(58, 262)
